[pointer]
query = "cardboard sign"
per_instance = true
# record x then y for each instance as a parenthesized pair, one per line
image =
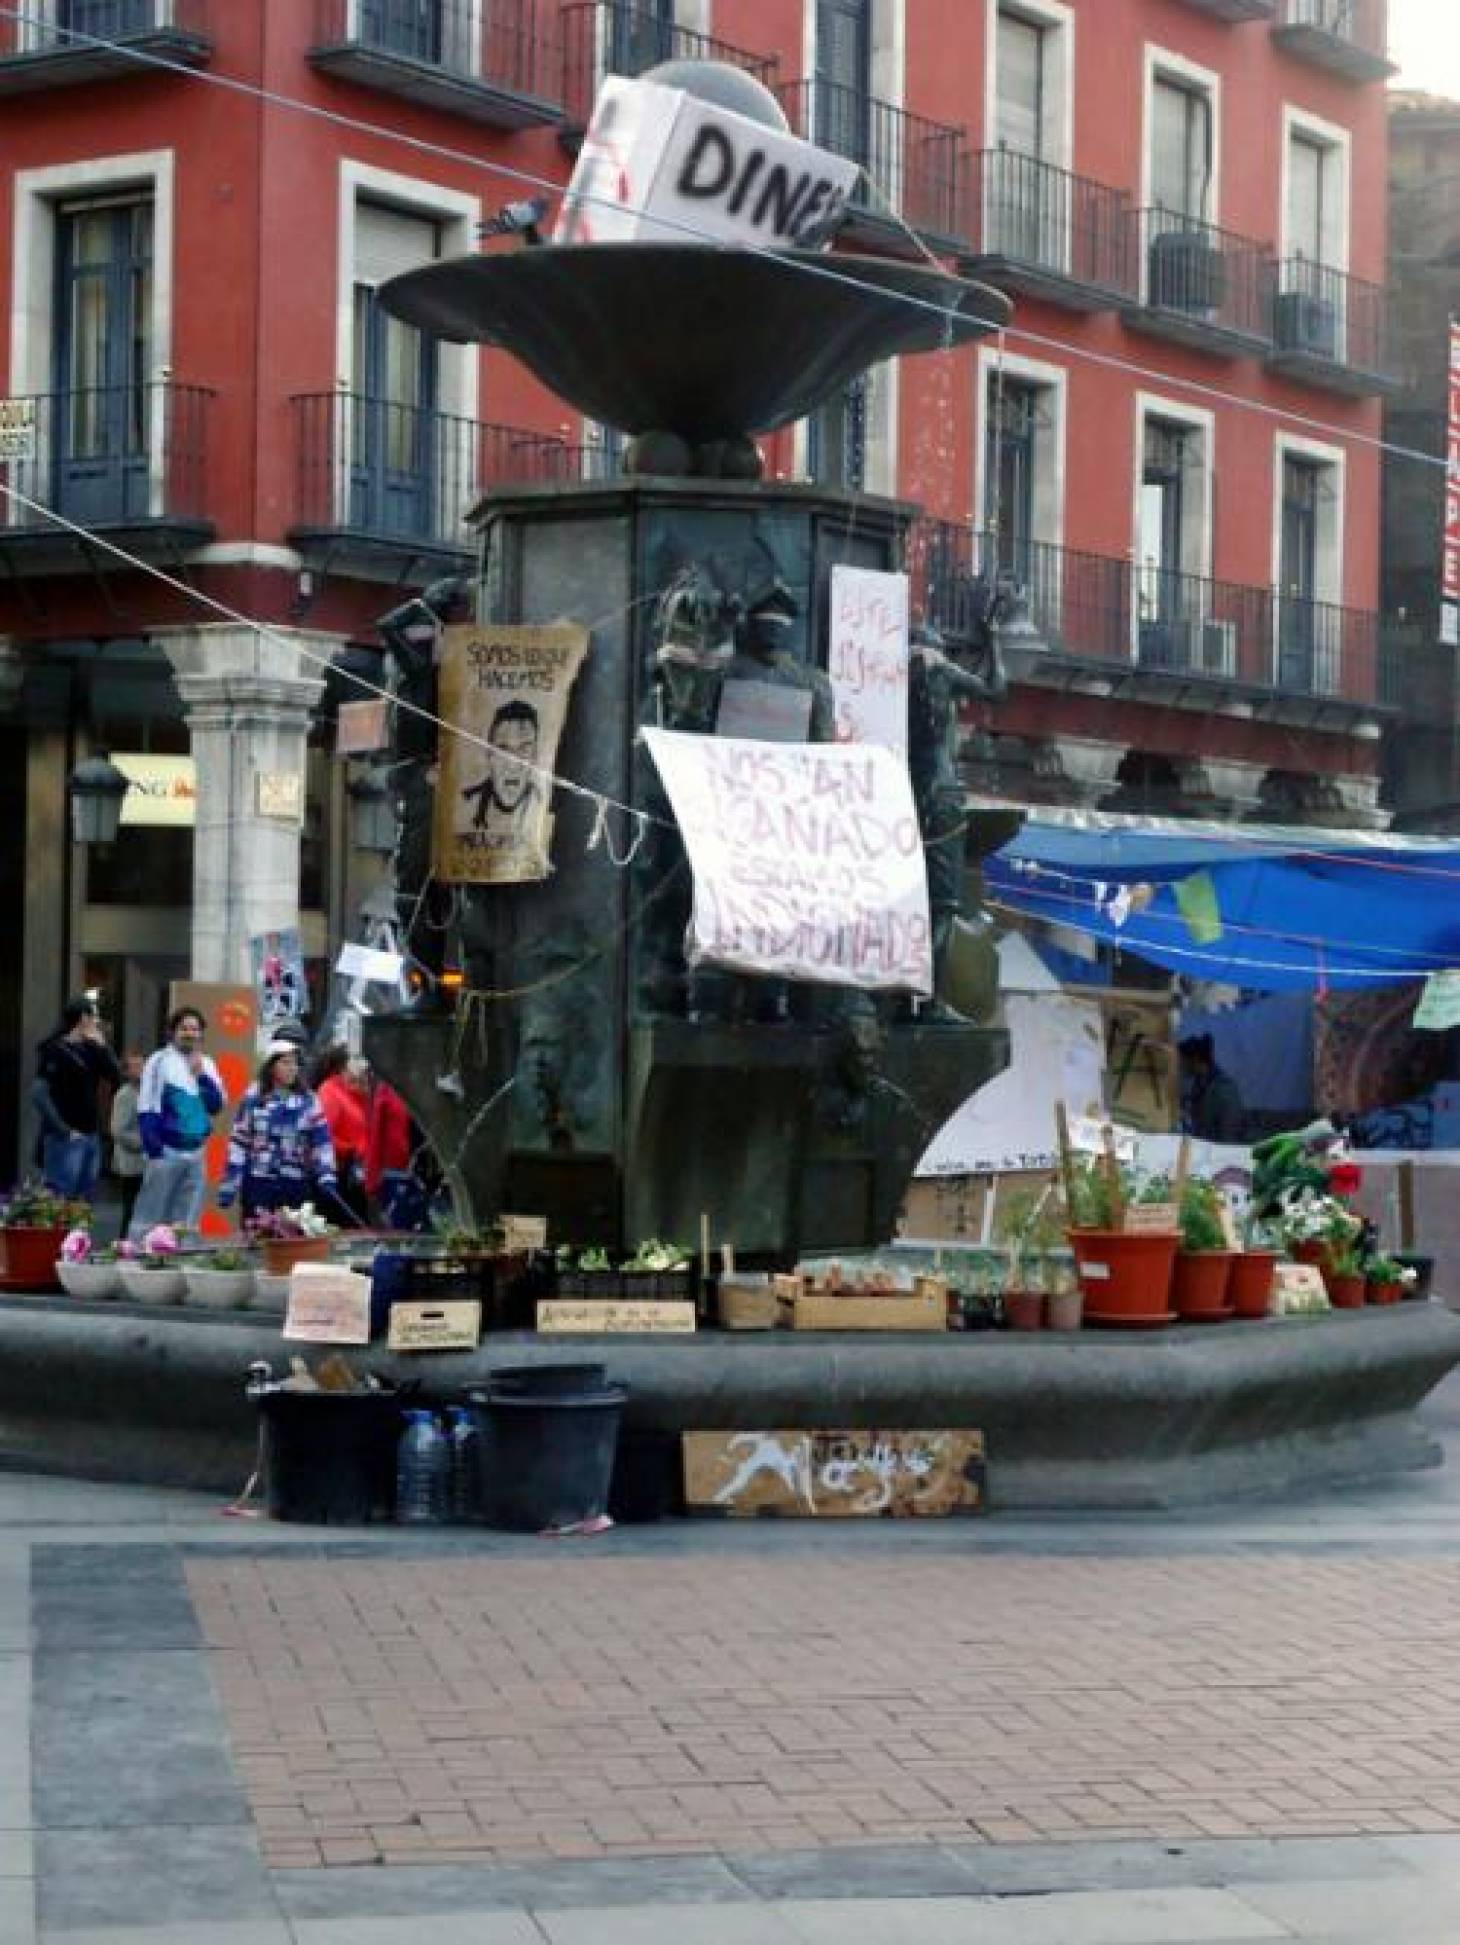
(327, 1305)
(455, 1326)
(1151, 1219)
(370, 964)
(658, 165)
(835, 1475)
(807, 859)
(868, 656)
(557, 1317)
(361, 727)
(1298, 1290)
(17, 430)
(523, 1234)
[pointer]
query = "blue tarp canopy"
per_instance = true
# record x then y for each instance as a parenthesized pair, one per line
(1267, 907)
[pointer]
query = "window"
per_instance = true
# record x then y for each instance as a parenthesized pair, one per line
(1310, 196)
(640, 35)
(836, 440)
(408, 27)
(103, 358)
(395, 433)
(1182, 149)
(1309, 570)
(1174, 627)
(1022, 85)
(106, 18)
(844, 77)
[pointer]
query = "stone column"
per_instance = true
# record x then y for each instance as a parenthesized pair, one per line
(248, 699)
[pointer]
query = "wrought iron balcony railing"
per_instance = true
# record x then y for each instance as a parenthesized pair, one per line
(910, 166)
(498, 63)
(1047, 232)
(1348, 37)
(1110, 610)
(1330, 328)
(113, 456)
(404, 477)
(602, 37)
(1235, 10)
(1199, 284)
(88, 40)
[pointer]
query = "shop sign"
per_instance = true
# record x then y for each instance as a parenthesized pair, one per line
(17, 431)
(835, 1475)
(557, 1317)
(162, 789)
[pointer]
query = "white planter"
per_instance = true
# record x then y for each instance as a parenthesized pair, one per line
(152, 1286)
(93, 1280)
(270, 1293)
(219, 1289)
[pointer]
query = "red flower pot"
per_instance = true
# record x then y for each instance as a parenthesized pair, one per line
(281, 1253)
(1199, 1287)
(1125, 1279)
(1024, 1309)
(1317, 1253)
(1250, 1291)
(1345, 1292)
(30, 1257)
(1385, 1292)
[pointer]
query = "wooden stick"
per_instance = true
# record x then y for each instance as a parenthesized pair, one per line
(705, 1244)
(1406, 1205)
(1183, 1167)
(1067, 1158)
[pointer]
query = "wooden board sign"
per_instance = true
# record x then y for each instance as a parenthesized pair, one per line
(558, 1317)
(1151, 1219)
(327, 1305)
(454, 1326)
(523, 1234)
(834, 1475)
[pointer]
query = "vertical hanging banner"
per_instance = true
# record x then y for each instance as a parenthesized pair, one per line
(507, 688)
(1450, 552)
(867, 656)
(807, 859)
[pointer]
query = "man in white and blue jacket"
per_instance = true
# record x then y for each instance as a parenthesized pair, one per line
(179, 1095)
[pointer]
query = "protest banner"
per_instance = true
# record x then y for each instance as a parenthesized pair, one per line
(506, 688)
(807, 859)
(868, 659)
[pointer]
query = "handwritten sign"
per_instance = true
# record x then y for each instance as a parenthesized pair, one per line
(807, 859)
(868, 655)
(327, 1305)
(1298, 1290)
(454, 1326)
(17, 430)
(522, 1234)
(1151, 1219)
(556, 1317)
(835, 1475)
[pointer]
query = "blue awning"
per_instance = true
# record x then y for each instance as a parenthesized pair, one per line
(1268, 907)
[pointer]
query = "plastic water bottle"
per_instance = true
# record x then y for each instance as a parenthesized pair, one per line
(422, 1471)
(466, 1447)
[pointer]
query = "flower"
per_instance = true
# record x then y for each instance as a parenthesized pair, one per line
(160, 1240)
(76, 1246)
(1345, 1178)
(127, 1252)
(288, 1225)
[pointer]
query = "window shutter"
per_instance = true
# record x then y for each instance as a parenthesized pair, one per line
(389, 241)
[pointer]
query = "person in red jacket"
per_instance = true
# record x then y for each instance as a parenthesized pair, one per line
(342, 1084)
(393, 1189)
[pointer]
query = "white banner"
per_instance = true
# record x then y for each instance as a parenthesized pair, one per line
(807, 859)
(868, 659)
(1057, 1050)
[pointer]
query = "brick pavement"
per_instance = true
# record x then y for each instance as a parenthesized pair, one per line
(454, 1710)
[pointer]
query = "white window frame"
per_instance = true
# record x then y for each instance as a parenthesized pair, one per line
(1050, 467)
(1299, 123)
(889, 48)
(1197, 520)
(1331, 564)
(468, 24)
(883, 405)
(459, 373)
(38, 193)
(1058, 21)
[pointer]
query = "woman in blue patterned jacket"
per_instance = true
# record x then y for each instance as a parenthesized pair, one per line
(279, 1152)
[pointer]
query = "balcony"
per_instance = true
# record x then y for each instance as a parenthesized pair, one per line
(1330, 329)
(1235, 10)
(498, 65)
(1347, 37)
(911, 167)
(602, 37)
(128, 462)
(1167, 633)
(383, 486)
(76, 41)
(1200, 285)
(1042, 232)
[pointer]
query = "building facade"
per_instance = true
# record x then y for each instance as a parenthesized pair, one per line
(1172, 448)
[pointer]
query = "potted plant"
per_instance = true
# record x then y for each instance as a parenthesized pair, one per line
(1064, 1302)
(1345, 1274)
(34, 1222)
(1250, 1289)
(1031, 1228)
(222, 1279)
(587, 1273)
(660, 1270)
(289, 1236)
(1388, 1279)
(1203, 1262)
(86, 1271)
(1125, 1274)
(149, 1270)
(1318, 1228)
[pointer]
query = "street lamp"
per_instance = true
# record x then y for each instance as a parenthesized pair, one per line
(372, 811)
(97, 788)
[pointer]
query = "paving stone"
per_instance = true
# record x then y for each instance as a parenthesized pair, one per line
(92, 1879)
(1175, 1917)
(1363, 1909)
(669, 1925)
(463, 1928)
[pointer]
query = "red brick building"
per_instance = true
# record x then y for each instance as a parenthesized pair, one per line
(199, 199)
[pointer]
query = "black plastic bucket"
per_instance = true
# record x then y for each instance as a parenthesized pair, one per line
(547, 1456)
(329, 1456)
(536, 1380)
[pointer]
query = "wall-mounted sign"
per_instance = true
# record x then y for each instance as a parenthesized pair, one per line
(17, 430)
(162, 789)
(280, 793)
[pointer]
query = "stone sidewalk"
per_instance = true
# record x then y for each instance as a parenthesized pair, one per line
(1088, 1732)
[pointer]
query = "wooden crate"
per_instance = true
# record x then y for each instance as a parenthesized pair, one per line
(924, 1308)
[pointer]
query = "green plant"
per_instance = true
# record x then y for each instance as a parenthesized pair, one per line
(1031, 1229)
(1346, 1254)
(1389, 1269)
(1093, 1198)
(1199, 1215)
(657, 1257)
(224, 1260)
(34, 1206)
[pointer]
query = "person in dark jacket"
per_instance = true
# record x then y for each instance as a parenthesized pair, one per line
(73, 1067)
(1212, 1108)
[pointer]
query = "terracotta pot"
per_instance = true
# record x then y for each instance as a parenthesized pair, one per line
(31, 1255)
(1125, 1278)
(1063, 1309)
(1385, 1292)
(1316, 1253)
(1250, 1291)
(281, 1254)
(1199, 1287)
(1024, 1309)
(1345, 1292)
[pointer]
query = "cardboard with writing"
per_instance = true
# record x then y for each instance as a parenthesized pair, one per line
(835, 1475)
(868, 656)
(327, 1305)
(452, 1326)
(560, 1317)
(1152, 1219)
(523, 1234)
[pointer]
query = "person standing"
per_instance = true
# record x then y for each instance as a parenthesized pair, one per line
(128, 1158)
(342, 1086)
(1212, 1108)
(279, 1152)
(72, 1067)
(392, 1188)
(179, 1094)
